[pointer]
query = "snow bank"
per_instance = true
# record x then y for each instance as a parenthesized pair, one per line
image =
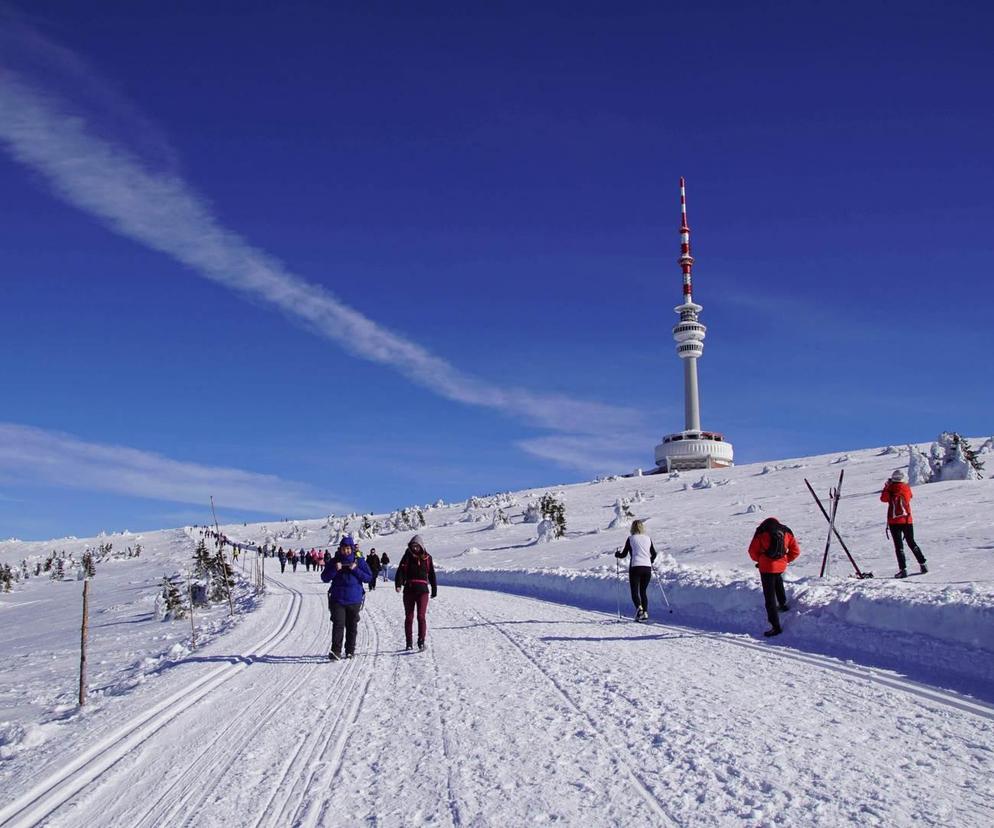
(944, 634)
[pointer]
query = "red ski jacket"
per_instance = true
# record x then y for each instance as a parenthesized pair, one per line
(897, 496)
(761, 542)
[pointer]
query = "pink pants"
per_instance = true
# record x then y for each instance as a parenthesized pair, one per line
(414, 600)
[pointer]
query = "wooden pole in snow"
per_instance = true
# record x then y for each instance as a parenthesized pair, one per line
(193, 627)
(83, 630)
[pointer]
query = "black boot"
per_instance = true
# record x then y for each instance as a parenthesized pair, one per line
(772, 631)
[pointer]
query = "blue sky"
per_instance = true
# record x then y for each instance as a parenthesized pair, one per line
(326, 256)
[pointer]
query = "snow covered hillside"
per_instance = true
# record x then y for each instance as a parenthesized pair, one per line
(932, 626)
(524, 709)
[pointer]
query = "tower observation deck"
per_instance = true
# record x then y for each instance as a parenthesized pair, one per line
(691, 448)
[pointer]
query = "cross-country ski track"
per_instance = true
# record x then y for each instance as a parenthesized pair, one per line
(519, 712)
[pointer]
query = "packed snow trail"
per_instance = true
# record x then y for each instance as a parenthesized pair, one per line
(520, 711)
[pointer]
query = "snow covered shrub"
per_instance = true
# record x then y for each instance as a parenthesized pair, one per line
(533, 514)
(919, 467)
(952, 458)
(58, 569)
(169, 601)
(555, 510)
(546, 531)
(752, 508)
(704, 483)
(622, 514)
(6, 578)
(89, 565)
(499, 519)
(843, 459)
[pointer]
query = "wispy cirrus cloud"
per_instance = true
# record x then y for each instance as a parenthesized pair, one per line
(52, 136)
(33, 455)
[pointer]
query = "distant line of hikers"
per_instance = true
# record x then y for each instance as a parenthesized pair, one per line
(773, 548)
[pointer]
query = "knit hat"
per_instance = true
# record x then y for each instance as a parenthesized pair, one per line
(898, 476)
(347, 541)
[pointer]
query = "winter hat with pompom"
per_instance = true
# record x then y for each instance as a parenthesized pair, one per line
(898, 476)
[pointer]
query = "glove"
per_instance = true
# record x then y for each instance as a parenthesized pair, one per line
(434, 593)
(398, 588)
(618, 555)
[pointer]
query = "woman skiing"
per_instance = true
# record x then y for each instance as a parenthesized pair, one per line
(347, 573)
(416, 576)
(773, 547)
(639, 546)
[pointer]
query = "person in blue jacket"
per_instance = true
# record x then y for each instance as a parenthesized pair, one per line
(346, 572)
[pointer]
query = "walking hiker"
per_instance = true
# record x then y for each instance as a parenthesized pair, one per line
(293, 559)
(773, 547)
(639, 546)
(282, 557)
(385, 563)
(346, 573)
(374, 567)
(416, 576)
(897, 495)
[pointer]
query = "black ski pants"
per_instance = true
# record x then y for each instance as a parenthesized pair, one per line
(638, 580)
(344, 623)
(372, 583)
(902, 532)
(773, 595)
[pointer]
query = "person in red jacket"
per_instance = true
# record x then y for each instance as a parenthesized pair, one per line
(773, 547)
(897, 495)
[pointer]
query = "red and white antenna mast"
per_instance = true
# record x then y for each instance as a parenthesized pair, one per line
(686, 260)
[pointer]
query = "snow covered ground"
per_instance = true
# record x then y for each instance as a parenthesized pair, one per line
(873, 708)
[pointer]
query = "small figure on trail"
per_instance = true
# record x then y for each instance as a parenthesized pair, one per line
(897, 495)
(346, 573)
(773, 547)
(416, 576)
(385, 563)
(293, 559)
(374, 566)
(639, 546)
(282, 556)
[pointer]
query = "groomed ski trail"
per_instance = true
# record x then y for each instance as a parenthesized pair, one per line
(520, 711)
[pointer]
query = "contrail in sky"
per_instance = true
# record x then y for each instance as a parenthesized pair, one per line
(43, 131)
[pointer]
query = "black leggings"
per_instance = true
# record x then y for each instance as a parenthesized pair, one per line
(638, 580)
(901, 532)
(774, 596)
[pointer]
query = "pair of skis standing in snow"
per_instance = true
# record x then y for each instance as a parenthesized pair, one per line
(347, 571)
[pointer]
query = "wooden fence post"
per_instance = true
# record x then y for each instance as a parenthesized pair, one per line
(83, 630)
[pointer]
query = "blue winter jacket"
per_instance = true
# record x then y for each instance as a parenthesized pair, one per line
(346, 583)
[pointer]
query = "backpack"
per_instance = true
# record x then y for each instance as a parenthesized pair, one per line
(778, 542)
(898, 505)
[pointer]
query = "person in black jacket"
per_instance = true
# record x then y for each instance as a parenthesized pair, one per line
(373, 561)
(416, 576)
(385, 563)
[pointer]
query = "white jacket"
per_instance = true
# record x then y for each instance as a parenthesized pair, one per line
(640, 545)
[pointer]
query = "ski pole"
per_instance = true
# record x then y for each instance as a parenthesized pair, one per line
(617, 584)
(662, 591)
